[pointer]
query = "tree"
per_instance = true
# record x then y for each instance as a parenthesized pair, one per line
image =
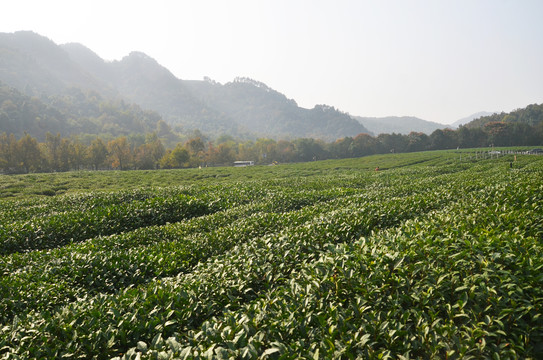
(8, 152)
(147, 156)
(341, 148)
(392, 143)
(221, 155)
(195, 146)
(143, 158)
(471, 137)
(52, 155)
(363, 145)
(176, 158)
(156, 148)
(417, 141)
(79, 154)
(29, 155)
(286, 151)
(443, 139)
(120, 153)
(265, 150)
(309, 149)
(498, 133)
(97, 153)
(66, 155)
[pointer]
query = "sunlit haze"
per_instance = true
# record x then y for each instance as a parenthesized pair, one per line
(437, 60)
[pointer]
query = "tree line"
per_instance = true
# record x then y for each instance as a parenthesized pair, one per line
(58, 153)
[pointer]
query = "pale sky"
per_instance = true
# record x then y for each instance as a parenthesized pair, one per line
(440, 60)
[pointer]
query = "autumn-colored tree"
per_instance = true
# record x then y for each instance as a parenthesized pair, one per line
(148, 155)
(143, 158)
(286, 151)
(246, 151)
(221, 155)
(120, 153)
(265, 150)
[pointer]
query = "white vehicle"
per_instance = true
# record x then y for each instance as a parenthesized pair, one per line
(243, 163)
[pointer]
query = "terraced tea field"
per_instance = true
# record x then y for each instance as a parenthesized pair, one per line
(430, 257)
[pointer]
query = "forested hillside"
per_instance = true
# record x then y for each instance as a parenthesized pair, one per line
(36, 66)
(74, 112)
(531, 115)
(258, 108)
(519, 126)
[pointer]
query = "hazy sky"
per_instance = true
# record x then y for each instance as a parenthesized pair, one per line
(435, 59)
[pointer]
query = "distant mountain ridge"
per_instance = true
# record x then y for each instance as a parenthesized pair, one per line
(470, 118)
(399, 125)
(35, 65)
(531, 115)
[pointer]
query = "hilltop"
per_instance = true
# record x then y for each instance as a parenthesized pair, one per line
(37, 67)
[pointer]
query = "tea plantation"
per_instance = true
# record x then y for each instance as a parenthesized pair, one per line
(436, 255)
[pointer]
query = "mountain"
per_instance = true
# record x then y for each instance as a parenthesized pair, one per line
(35, 65)
(75, 112)
(467, 119)
(399, 125)
(531, 115)
(260, 109)
(245, 108)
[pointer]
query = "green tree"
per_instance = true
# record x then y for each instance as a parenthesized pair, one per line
(97, 153)
(79, 154)
(417, 141)
(175, 158)
(66, 155)
(309, 149)
(28, 154)
(156, 147)
(196, 148)
(52, 154)
(363, 145)
(443, 139)
(341, 148)
(8, 152)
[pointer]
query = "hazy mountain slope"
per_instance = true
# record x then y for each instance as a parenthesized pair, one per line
(20, 113)
(73, 113)
(531, 115)
(467, 119)
(262, 110)
(399, 125)
(35, 65)
(91, 62)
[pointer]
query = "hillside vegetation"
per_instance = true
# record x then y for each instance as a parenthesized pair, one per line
(37, 66)
(73, 113)
(531, 115)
